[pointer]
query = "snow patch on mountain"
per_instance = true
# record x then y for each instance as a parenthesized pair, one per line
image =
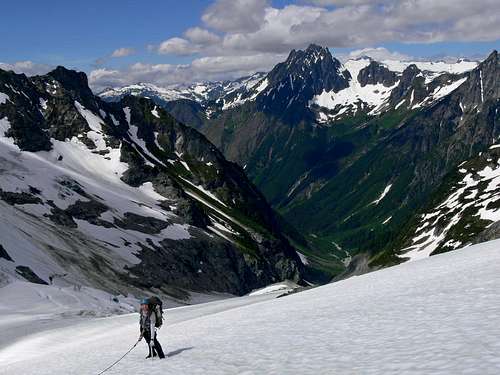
(373, 98)
(204, 191)
(440, 92)
(382, 195)
(95, 123)
(4, 128)
(475, 195)
(69, 173)
(440, 67)
(3, 98)
(227, 94)
(144, 89)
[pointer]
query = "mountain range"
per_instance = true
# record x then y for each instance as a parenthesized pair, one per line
(122, 197)
(361, 157)
(316, 170)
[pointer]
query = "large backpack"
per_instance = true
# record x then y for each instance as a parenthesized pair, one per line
(156, 307)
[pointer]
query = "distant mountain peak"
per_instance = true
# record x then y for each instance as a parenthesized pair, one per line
(492, 57)
(304, 74)
(315, 47)
(72, 81)
(311, 55)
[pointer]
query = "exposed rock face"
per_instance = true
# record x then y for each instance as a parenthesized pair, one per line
(137, 198)
(291, 84)
(411, 81)
(28, 274)
(187, 111)
(30, 130)
(4, 254)
(376, 73)
(14, 198)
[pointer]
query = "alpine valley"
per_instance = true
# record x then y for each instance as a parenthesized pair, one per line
(373, 162)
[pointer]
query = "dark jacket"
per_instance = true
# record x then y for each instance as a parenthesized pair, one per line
(147, 322)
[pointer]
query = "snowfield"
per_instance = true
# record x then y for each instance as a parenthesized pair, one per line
(439, 315)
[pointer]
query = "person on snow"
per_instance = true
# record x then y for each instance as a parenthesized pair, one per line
(147, 324)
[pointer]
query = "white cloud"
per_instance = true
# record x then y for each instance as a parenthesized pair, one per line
(235, 15)
(27, 67)
(237, 37)
(122, 52)
(345, 2)
(161, 74)
(204, 68)
(177, 46)
(254, 26)
(277, 33)
(197, 35)
(235, 65)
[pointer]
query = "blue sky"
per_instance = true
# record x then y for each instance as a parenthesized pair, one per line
(119, 42)
(52, 32)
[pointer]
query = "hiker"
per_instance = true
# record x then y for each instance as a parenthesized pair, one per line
(148, 323)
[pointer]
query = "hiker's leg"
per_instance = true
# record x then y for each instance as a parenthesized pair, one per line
(147, 337)
(158, 348)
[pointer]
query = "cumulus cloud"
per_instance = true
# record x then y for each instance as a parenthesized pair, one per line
(177, 46)
(204, 68)
(198, 35)
(345, 2)
(235, 65)
(236, 37)
(255, 26)
(235, 15)
(122, 52)
(161, 74)
(27, 67)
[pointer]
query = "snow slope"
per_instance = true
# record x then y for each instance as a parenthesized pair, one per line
(439, 315)
(99, 176)
(373, 96)
(27, 308)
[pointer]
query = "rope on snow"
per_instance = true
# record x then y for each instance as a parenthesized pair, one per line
(123, 356)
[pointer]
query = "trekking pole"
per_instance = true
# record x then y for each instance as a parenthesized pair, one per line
(123, 356)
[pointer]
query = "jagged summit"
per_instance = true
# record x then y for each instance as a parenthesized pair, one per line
(72, 80)
(313, 51)
(294, 82)
(492, 55)
(316, 48)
